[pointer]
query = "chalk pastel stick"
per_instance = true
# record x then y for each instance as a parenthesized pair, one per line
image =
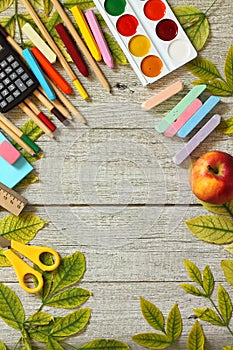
(198, 116)
(86, 32)
(183, 118)
(195, 141)
(163, 95)
(180, 108)
(51, 71)
(35, 67)
(39, 42)
(99, 37)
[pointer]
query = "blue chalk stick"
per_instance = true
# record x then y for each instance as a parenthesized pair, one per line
(35, 67)
(198, 116)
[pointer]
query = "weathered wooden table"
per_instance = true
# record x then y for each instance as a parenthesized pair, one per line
(112, 191)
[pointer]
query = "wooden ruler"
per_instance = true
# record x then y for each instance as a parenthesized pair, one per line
(11, 200)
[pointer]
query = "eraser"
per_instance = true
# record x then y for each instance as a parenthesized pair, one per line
(9, 153)
(39, 42)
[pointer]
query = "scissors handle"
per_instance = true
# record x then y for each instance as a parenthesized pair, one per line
(34, 253)
(22, 269)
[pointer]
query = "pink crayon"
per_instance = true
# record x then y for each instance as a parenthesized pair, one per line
(99, 37)
(183, 118)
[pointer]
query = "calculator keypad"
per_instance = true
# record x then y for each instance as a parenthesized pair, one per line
(16, 82)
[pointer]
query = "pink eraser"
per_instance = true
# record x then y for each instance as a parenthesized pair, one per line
(8, 152)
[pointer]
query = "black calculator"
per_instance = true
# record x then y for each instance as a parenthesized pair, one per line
(17, 81)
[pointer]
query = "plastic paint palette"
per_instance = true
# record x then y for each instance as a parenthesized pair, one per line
(149, 34)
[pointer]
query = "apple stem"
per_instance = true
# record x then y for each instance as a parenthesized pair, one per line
(215, 171)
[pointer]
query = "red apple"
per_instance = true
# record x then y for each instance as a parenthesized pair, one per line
(211, 177)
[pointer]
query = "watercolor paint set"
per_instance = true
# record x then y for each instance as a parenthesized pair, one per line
(149, 34)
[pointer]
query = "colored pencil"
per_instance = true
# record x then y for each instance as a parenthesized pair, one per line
(81, 44)
(40, 114)
(33, 117)
(55, 48)
(68, 104)
(16, 138)
(19, 133)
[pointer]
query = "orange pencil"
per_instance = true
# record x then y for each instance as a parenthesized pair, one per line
(51, 71)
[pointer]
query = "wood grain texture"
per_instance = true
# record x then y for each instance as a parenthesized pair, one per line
(111, 191)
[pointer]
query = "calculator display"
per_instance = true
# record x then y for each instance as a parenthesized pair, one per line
(17, 81)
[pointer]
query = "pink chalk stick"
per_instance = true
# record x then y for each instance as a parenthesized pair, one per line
(9, 153)
(183, 118)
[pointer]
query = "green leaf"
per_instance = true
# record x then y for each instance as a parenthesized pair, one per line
(11, 309)
(104, 344)
(83, 4)
(194, 23)
(188, 288)
(174, 323)
(209, 316)
(4, 262)
(221, 209)
(40, 318)
(203, 69)
(115, 49)
(208, 281)
(22, 228)
(2, 346)
(28, 180)
(196, 338)
(32, 130)
(212, 229)
(227, 267)
(48, 6)
(226, 126)
(5, 4)
(37, 4)
(228, 347)
(69, 299)
(193, 272)
(47, 276)
(41, 333)
(152, 340)
(69, 272)
(53, 344)
(228, 248)
(24, 18)
(152, 315)
(228, 69)
(219, 88)
(71, 324)
(224, 304)
(9, 24)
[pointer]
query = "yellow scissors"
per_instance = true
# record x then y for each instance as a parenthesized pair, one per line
(33, 253)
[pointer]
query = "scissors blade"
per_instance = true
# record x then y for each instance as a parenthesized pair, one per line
(4, 243)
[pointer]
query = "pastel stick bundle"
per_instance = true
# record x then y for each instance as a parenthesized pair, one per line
(185, 116)
(149, 34)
